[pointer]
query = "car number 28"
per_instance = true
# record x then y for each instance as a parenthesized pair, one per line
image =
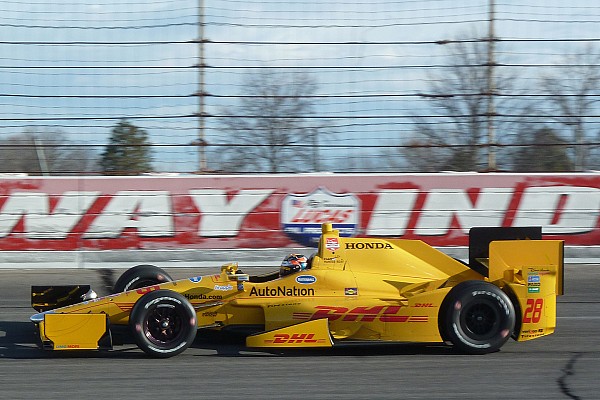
(533, 312)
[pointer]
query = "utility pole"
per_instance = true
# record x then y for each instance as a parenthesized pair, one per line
(491, 90)
(201, 141)
(41, 156)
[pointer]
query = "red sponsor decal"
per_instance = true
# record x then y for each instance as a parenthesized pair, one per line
(361, 314)
(124, 306)
(424, 305)
(295, 338)
(322, 216)
(533, 311)
(332, 244)
(147, 289)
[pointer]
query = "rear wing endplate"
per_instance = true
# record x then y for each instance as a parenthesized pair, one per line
(481, 237)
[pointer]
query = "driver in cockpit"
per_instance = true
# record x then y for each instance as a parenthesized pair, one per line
(292, 264)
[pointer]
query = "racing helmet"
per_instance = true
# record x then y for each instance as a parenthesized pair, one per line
(293, 263)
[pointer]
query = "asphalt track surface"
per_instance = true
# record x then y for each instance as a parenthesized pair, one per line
(565, 365)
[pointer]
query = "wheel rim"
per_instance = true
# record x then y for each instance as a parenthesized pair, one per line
(481, 320)
(164, 325)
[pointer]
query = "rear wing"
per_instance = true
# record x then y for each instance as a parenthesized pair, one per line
(481, 237)
(532, 251)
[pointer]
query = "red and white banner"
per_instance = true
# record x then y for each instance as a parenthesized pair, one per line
(269, 211)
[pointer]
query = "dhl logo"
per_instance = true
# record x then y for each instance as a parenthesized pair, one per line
(362, 314)
(295, 338)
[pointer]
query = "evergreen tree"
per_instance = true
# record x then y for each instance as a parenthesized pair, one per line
(544, 151)
(128, 151)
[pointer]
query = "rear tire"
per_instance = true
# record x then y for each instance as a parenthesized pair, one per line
(477, 317)
(141, 276)
(163, 323)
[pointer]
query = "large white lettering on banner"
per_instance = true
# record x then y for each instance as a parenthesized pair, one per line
(274, 211)
(560, 209)
(149, 212)
(39, 222)
(222, 217)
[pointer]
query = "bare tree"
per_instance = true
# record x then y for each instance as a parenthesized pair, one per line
(45, 152)
(272, 122)
(454, 137)
(573, 95)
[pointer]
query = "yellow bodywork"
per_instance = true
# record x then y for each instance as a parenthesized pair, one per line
(313, 333)
(356, 289)
(533, 270)
(73, 331)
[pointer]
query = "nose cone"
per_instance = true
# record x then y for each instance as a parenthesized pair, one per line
(39, 317)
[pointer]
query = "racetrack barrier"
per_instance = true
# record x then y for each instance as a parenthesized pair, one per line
(92, 220)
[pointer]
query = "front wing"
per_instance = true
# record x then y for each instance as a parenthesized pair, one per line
(74, 332)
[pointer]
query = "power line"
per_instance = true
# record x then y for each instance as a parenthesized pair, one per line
(81, 66)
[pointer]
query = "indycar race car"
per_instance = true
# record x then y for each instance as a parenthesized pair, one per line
(352, 289)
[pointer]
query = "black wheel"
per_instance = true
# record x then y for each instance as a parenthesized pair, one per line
(140, 276)
(163, 323)
(477, 317)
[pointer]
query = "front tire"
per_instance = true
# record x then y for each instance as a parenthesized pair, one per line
(163, 323)
(477, 317)
(141, 276)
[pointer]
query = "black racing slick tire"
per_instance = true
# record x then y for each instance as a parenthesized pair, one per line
(140, 276)
(477, 317)
(163, 323)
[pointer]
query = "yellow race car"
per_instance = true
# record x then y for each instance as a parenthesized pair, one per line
(351, 289)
